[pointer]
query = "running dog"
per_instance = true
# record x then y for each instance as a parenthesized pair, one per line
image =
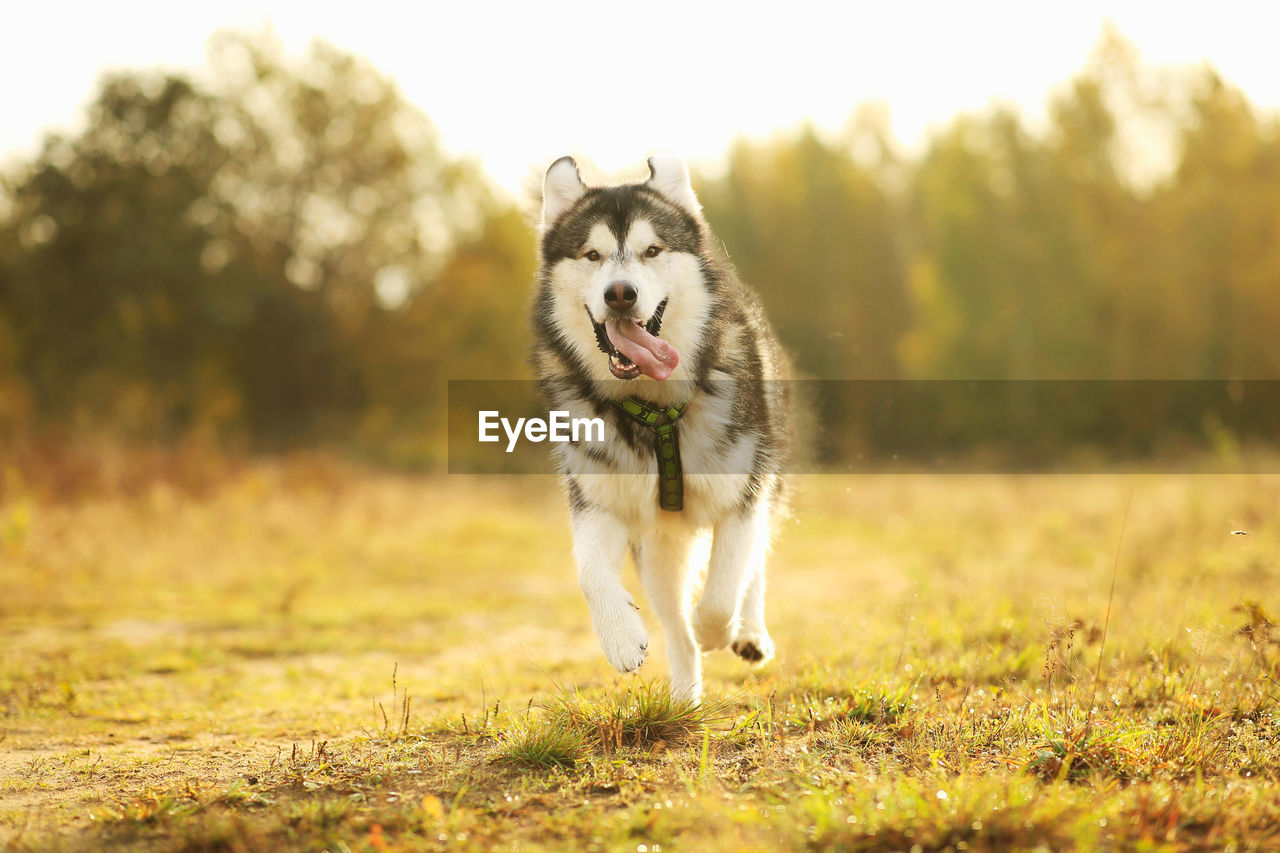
(639, 319)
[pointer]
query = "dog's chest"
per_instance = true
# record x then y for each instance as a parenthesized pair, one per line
(718, 458)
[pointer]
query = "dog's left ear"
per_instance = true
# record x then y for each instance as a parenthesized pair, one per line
(669, 176)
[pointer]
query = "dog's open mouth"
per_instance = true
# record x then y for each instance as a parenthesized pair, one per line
(634, 348)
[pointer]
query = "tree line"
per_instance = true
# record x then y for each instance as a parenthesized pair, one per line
(287, 255)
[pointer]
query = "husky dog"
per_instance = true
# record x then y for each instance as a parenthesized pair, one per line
(640, 320)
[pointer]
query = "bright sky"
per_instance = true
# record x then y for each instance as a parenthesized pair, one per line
(517, 84)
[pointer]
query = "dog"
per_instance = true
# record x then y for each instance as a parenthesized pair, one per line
(640, 320)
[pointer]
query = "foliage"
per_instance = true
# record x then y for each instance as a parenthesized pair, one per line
(241, 257)
(819, 235)
(286, 255)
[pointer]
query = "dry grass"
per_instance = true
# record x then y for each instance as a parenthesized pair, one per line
(338, 660)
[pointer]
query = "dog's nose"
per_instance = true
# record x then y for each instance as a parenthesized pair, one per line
(620, 295)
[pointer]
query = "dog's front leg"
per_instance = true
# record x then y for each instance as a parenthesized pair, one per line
(599, 543)
(663, 561)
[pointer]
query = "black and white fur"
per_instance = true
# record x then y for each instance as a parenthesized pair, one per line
(733, 435)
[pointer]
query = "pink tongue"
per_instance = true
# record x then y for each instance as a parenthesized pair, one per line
(655, 357)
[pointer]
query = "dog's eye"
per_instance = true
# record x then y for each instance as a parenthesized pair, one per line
(652, 251)
(592, 255)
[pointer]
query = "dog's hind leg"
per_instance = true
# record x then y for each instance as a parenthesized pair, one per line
(663, 559)
(599, 544)
(752, 642)
(737, 557)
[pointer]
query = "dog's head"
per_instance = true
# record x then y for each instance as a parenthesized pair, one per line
(624, 270)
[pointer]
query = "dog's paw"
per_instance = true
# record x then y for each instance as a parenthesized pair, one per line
(712, 628)
(622, 636)
(753, 646)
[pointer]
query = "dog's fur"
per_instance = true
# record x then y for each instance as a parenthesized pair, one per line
(733, 434)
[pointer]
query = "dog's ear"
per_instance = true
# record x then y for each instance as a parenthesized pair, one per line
(560, 189)
(669, 176)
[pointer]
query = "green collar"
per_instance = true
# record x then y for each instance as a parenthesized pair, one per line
(662, 420)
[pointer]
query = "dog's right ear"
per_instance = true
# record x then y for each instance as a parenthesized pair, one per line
(560, 190)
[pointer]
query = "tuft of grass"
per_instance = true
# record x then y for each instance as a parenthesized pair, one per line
(869, 705)
(644, 717)
(537, 745)
(647, 717)
(874, 705)
(1082, 755)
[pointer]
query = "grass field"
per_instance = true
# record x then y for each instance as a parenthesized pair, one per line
(320, 658)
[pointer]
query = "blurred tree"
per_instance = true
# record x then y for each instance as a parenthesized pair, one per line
(817, 235)
(469, 322)
(104, 280)
(1223, 209)
(1067, 255)
(236, 257)
(1007, 276)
